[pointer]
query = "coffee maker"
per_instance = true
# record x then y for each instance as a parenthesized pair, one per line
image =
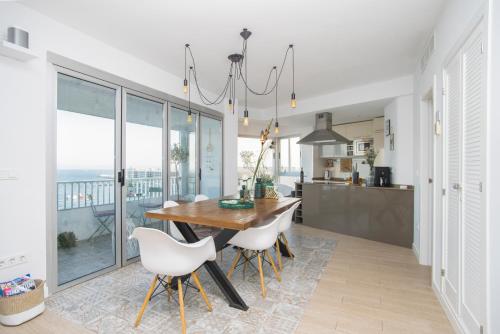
(382, 177)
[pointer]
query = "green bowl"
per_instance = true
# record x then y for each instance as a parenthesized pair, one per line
(235, 204)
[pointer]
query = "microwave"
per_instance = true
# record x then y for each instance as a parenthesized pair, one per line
(361, 146)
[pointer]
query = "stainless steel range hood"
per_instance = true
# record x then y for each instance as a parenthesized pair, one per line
(323, 133)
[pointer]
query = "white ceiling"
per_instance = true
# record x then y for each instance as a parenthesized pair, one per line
(338, 44)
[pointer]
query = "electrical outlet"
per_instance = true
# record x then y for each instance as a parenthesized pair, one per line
(13, 260)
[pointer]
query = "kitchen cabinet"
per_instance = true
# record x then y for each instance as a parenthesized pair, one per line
(355, 130)
(332, 151)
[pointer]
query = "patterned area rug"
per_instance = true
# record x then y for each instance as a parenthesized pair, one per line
(109, 304)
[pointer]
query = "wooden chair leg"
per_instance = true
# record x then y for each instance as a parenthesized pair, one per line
(181, 305)
(169, 288)
(202, 291)
(278, 255)
(146, 301)
(272, 265)
(245, 264)
(261, 272)
(233, 265)
(285, 241)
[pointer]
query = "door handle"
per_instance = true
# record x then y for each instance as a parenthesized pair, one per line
(199, 173)
(456, 186)
(121, 177)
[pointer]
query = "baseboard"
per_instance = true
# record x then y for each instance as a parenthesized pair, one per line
(415, 251)
(449, 314)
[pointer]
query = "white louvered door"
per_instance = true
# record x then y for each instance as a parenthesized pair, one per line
(464, 238)
(473, 227)
(451, 263)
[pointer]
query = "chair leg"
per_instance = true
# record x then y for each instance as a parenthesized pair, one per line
(146, 301)
(169, 287)
(202, 291)
(286, 245)
(273, 265)
(278, 254)
(181, 305)
(233, 265)
(262, 286)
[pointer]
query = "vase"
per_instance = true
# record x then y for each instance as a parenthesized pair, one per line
(258, 187)
(370, 179)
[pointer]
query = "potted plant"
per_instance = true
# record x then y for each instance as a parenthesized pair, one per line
(178, 155)
(66, 240)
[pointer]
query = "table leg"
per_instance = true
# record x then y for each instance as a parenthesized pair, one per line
(213, 268)
(284, 249)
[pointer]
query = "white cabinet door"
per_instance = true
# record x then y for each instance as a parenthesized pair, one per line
(474, 238)
(451, 240)
(326, 151)
(465, 229)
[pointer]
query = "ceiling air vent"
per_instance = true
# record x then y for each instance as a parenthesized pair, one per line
(428, 51)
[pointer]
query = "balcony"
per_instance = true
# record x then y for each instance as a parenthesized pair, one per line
(87, 209)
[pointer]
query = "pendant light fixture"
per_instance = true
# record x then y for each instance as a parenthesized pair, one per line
(293, 102)
(236, 72)
(185, 87)
(190, 117)
(245, 112)
(276, 124)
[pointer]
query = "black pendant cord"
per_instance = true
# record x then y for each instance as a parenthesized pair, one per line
(271, 89)
(246, 78)
(189, 91)
(276, 100)
(205, 100)
(236, 72)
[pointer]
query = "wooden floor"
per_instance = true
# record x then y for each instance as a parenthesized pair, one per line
(368, 287)
(47, 323)
(371, 287)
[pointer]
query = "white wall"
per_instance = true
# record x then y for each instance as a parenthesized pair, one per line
(400, 113)
(26, 91)
(455, 22)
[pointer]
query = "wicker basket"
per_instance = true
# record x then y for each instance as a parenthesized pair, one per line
(17, 309)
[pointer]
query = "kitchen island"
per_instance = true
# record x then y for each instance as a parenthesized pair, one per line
(380, 214)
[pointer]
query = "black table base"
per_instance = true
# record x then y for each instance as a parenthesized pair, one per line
(212, 267)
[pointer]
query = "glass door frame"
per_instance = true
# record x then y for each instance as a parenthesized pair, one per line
(200, 175)
(59, 64)
(52, 265)
(196, 131)
(165, 143)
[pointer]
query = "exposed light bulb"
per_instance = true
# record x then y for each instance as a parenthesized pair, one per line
(293, 102)
(245, 117)
(190, 118)
(276, 128)
(230, 106)
(185, 88)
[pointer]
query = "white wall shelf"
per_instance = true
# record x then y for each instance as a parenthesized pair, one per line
(14, 51)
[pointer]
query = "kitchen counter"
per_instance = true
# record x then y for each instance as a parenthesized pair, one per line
(375, 213)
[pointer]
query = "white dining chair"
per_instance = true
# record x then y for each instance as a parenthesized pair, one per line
(256, 240)
(201, 197)
(166, 257)
(174, 231)
(285, 224)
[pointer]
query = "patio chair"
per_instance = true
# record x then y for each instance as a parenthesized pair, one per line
(104, 216)
(155, 201)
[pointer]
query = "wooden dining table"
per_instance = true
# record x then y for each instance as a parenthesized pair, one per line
(230, 222)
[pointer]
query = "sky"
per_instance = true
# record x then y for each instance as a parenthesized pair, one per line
(88, 142)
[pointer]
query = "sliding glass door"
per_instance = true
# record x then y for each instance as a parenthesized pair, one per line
(182, 155)
(143, 161)
(87, 158)
(210, 156)
(115, 148)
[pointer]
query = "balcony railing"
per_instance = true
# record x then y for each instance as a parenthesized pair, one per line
(81, 194)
